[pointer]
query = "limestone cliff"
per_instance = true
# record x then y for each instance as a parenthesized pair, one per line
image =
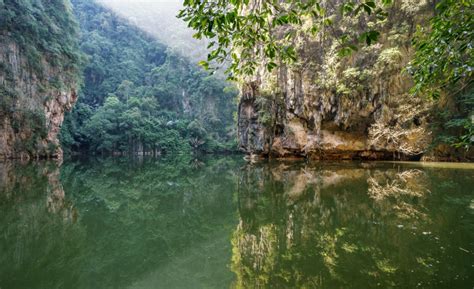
(37, 76)
(330, 107)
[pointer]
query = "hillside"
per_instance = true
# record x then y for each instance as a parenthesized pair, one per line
(140, 96)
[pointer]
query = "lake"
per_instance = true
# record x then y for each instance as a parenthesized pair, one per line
(223, 223)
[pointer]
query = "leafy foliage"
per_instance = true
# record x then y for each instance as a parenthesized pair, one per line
(42, 29)
(139, 96)
(443, 67)
(249, 33)
(445, 54)
(454, 122)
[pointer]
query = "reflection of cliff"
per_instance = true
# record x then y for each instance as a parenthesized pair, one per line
(56, 200)
(341, 226)
(409, 182)
(37, 224)
(24, 181)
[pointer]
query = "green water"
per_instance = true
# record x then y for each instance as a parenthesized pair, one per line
(221, 223)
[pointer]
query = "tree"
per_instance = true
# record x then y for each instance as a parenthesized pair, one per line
(443, 66)
(444, 57)
(248, 33)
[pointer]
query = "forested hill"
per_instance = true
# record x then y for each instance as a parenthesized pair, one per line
(140, 96)
(39, 65)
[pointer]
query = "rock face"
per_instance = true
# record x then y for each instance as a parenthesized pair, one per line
(39, 68)
(32, 110)
(331, 107)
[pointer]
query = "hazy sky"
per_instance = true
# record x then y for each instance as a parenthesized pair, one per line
(158, 17)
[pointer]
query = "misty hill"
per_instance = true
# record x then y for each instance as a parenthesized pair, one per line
(158, 17)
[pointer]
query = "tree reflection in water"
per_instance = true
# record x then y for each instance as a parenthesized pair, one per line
(352, 226)
(117, 223)
(220, 223)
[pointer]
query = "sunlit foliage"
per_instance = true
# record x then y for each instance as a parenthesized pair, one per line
(251, 33)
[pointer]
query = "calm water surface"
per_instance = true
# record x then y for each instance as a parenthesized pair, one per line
(222, 223)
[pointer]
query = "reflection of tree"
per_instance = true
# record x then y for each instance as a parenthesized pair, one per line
(398, 190)
(37, 225)
(410, 182)
(338, 226)
(260, 249)
(137, 219)
(143, 216)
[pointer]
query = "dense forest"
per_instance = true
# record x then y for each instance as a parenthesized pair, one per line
(44, 32)
(139, 96)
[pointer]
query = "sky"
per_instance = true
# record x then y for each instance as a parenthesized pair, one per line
(158, 18)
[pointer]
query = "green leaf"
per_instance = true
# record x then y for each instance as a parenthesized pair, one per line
(271, 66)
(204, 64)
(347, 50)
(371, 4)
(367, 8)
(347, 8)
(370, 36)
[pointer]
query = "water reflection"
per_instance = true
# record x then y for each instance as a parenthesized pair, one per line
(117, 223)
(222, 223)
(353, 226)
(38, 228)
